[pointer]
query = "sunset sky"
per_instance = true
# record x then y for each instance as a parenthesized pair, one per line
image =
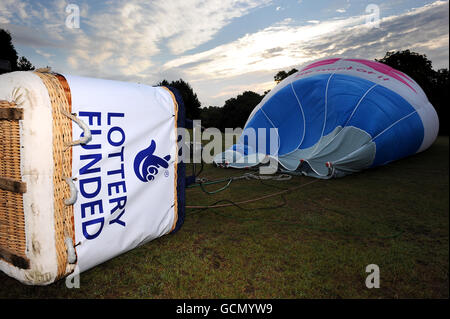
(221, 47)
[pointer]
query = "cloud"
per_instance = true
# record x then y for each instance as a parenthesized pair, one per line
(120, 39)
(10, 9)
(146, 41)
(424, 30)
(300, 44)
(231, 89)
(33, 24)
(284, 46)
(132, 32)
(261, 50)
(44, 54)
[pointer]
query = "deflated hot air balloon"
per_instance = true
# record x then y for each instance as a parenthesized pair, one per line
(335, 117)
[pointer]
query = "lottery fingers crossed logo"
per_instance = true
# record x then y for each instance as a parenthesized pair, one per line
(146, 164)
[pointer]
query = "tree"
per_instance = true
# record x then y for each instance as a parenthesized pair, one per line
(439, 98)
(211, 116)
(416, 65)
(280, 76)
(190, 99)
(24, 64)
(434, 83)
(236, 110)
(9, 53)
(233, 114)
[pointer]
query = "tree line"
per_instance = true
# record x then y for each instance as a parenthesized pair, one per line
(9, 59)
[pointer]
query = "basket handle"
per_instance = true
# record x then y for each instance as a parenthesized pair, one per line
(87, 132)
(73, 192)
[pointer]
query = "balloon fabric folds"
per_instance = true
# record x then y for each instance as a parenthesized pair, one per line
(335, 117)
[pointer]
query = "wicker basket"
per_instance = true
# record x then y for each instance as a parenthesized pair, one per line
(16, 246)
(12, 220)
(46, 231)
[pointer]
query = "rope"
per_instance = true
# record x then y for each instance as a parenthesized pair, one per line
(71, 254)
(254, 199)
(230, 203)
(87, 132)
(73, 192)
(247, 176)
(218, 190)
(280, 177)
(18, 95)
(205, 181)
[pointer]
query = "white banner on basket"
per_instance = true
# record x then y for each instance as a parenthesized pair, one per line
(125, 176)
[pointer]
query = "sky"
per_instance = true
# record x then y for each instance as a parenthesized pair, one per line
(220, 47)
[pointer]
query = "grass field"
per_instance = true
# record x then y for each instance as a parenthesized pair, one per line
(317, 245)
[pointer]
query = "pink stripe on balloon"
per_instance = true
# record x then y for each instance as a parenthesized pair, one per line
(319, 63)
(385, 69)
(404, 75)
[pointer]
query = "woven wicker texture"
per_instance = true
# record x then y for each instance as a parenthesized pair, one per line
(62, 157)
(12, 221)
